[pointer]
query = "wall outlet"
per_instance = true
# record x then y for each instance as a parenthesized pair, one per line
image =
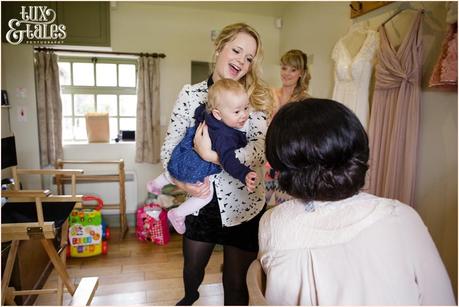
(22, 113)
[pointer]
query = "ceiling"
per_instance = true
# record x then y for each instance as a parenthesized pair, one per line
(262, 8)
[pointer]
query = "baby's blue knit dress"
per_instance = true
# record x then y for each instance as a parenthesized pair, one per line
(185, 164)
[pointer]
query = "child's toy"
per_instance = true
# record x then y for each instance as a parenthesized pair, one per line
(88, 234)
(152, 224)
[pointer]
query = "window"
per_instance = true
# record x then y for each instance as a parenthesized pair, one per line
(97, 85)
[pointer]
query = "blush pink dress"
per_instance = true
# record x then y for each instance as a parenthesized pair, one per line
(394, 119)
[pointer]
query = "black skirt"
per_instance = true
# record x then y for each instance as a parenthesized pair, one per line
(207, 227)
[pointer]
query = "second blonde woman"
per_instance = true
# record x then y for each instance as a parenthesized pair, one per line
(295, 79)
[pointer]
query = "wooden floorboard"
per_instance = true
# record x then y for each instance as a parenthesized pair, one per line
(140, 273)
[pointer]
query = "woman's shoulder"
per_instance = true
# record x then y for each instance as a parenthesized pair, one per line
(393, 209)
(276, 90)
(277, 93)
(398, 207)
(282, 212)
(199, 86)
(192, 96)
(296, 224)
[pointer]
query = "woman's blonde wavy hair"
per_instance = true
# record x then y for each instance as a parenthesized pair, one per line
(259, 94)
(298, 60)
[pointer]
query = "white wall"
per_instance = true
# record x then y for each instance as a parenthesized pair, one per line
(19, 82)
(183, 34)
(315, 28)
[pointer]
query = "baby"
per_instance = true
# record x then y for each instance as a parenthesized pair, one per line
(225, 115)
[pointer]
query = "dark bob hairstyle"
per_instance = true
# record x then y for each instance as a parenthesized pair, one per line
(319, 148)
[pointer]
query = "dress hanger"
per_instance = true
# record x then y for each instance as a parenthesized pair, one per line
(358, 27)
(399, 11)
(355, 38)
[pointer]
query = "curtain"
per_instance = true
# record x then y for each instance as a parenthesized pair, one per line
(49, 107)
(148, 124)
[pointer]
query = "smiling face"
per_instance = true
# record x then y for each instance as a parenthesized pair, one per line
(289, 75)
(235, 57)
(232, 108)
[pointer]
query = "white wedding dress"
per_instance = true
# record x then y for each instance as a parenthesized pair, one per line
(353, 74)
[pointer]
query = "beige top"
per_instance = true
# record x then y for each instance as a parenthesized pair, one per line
(277, 95)
(279, 101)
(364, 250)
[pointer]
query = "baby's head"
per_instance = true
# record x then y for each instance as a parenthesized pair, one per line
(319, 148)
(229, 102)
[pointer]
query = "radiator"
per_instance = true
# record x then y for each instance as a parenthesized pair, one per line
(109, 192)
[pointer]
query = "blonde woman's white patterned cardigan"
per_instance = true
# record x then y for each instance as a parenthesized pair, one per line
(236, 203)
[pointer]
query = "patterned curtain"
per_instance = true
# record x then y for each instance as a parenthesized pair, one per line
(148, 124)
(49, 107)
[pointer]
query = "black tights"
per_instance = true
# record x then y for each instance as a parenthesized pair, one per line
(236, 262)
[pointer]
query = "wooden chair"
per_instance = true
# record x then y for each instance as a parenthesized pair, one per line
(37, 215)
(256, 284)
(119, 177)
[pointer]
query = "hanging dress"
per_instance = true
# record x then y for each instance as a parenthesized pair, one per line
(394, 121)
(444, 74)
(352, 75)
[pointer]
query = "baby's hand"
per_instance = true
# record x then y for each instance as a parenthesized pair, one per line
(250, 181)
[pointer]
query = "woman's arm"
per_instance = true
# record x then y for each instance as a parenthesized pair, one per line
(200, 190)
(431, 277)
(181, 117)
(180, 120)
(253, 154)
(203, 144)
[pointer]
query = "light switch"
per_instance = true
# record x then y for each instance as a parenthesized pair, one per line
(21, 92)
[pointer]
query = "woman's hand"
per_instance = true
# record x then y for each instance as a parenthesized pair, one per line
(200, 190)
(203, 144)
(250, 181)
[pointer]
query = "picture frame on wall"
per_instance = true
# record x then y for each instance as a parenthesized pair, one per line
(5, 101)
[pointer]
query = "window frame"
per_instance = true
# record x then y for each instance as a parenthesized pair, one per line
(96, 90)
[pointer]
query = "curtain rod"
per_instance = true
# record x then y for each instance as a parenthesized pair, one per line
(155, 55)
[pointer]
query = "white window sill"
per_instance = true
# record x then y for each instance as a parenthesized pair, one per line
(85, 143)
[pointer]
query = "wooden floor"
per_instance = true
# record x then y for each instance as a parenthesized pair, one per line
(139, 273)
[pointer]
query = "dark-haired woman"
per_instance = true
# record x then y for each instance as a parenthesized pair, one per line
(334, 245)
